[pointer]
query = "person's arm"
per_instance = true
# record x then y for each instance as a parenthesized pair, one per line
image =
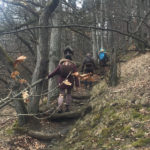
(76, 78)
(55, 72)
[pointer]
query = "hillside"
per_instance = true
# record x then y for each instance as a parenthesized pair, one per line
(120, 116)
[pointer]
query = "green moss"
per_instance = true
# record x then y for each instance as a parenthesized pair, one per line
(126, 131)
(139, 133)
(15, 125)
(141, 142)
(105, 132)
(114, 119)
(10, 131)
(135, 114)
(109, 111)
(95, 120)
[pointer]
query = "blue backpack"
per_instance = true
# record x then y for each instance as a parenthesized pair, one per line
(101, 55)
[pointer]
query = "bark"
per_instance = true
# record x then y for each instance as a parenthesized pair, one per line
(42, 55)
(113, 68)
(95, 38)
(54, 54)
(21, 109)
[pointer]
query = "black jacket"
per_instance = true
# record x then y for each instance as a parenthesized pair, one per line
(88, 64)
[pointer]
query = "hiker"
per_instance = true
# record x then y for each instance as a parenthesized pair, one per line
(88, 66)
(64, 69)
(103, 60)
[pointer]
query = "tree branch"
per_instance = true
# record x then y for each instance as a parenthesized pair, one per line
(141, 22)
(21, 4)
(27, 44)
(35, 4)
(80, 26)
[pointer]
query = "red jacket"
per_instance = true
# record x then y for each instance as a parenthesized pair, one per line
(71, 78)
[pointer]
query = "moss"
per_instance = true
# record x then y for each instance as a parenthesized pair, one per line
(105, 132)
(15, 125)
(95, 120)
(114, 119)
(109, 111)
(10, 131)
(140, 133)
(126, 131)
(141, 142)
(135, 114)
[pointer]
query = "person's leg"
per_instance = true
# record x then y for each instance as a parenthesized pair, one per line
(68, 100)
(60, 100)
(85, 81)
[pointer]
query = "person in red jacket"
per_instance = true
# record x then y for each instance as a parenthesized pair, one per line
(64, 70)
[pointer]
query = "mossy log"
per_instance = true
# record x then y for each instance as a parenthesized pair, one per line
(71, 115)
(37, 134)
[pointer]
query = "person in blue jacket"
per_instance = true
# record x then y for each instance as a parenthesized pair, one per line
(103, 60)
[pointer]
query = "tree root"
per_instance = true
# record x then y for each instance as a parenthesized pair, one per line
(36, 134)
(71, 115)
(87, 96)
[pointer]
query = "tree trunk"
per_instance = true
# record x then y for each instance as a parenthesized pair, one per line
(54, 54)
(113, 68)
(42, 55)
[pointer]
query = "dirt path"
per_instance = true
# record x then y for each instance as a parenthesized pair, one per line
(12, 141)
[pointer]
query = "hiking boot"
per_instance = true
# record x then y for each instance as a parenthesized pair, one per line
(67, 109)
(60, 111)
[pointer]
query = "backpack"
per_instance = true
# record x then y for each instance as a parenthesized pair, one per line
(102, 56)
(88, 63)
(66, 67)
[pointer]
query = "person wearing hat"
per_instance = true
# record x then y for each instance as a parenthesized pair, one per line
(103, 59)
(64, 70)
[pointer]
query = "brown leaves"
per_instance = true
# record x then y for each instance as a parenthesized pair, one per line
(87, 76)
(66, 82)
(19, 60)
(76, 74)
(25, 96)
(24, 142)
(22, 81)
(14, 74)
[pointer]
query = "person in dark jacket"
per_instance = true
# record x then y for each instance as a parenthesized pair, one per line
(88, 66)
(64, 70)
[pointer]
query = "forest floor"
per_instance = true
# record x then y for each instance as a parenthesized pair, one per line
(10, 140)
(118, 120)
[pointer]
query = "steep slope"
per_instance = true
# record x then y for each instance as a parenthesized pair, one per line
(120, 116)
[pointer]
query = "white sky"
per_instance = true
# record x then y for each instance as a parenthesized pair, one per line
(79, 3)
